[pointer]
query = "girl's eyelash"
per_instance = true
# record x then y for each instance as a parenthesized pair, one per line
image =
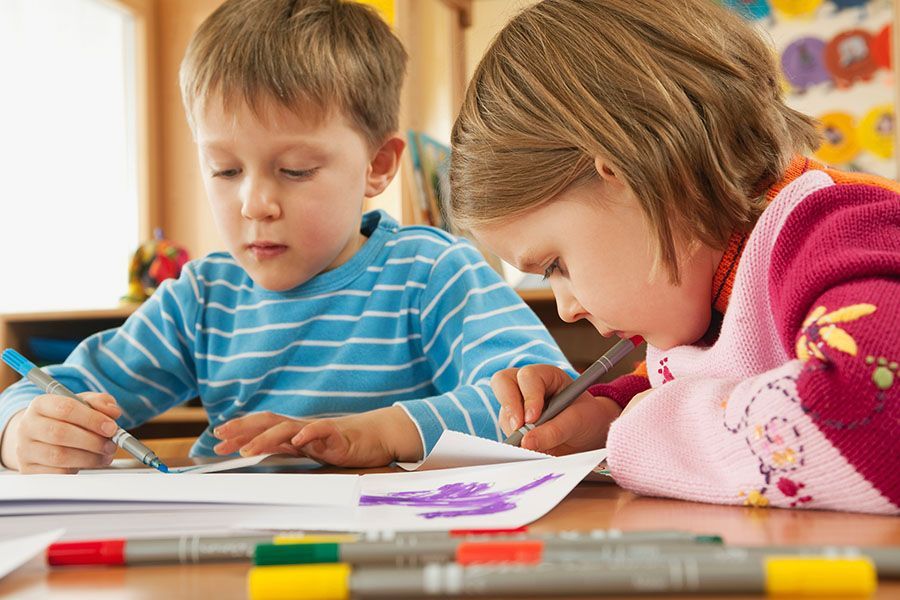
(225, 173)
(549, 270)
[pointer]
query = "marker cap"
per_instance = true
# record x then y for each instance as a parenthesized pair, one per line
(820, 577)
(105, 552)
(299, 582)
(296, 554)
(527, 552)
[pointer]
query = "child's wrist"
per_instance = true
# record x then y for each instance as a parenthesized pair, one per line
(400, 435)
(8, 436)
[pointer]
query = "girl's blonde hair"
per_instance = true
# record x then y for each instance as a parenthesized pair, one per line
(310, 56)
(682, 97)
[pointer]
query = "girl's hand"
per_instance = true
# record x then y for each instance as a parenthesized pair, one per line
(522, 393)
(57, 434)
(372, 439)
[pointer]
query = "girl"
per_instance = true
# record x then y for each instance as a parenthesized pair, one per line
(639, 155)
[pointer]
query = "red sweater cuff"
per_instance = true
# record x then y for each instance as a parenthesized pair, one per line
(622, 389)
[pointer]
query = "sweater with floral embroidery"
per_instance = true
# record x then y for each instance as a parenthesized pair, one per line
(796, 403)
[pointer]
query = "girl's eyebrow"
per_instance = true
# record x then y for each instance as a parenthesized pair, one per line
(527, 262)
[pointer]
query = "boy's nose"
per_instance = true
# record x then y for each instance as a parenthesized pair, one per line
(260, 203)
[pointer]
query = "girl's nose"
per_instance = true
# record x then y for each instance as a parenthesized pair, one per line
(568, 306)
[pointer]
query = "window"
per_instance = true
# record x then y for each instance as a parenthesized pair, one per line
(68, 149)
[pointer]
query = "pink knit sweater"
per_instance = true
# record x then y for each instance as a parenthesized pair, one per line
(797, 401)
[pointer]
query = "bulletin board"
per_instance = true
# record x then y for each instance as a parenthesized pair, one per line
(836, 60)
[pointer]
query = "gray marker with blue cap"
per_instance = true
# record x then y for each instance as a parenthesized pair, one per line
(43, 380)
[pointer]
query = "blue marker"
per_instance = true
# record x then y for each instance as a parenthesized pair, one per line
(121, 438)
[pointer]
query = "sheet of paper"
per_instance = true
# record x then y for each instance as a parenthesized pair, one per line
(213, 467)
(15, 552)
(235, 488)
(157, 522)
(455, 449)
(505, 495)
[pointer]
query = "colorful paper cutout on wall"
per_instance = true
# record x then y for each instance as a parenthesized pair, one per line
(797, 8)
(849, 57)
(840, 144)
(876, 131)
(803, 63)
(751, 9)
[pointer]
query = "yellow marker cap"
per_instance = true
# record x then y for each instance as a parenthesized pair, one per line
(299, 582)
(315, 539)
(817, 576)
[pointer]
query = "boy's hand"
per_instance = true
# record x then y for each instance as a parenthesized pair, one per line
(522, 393)
(371, 439)
(57, 434)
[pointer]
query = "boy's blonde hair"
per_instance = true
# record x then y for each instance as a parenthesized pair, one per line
(682, 97)
(310, 56)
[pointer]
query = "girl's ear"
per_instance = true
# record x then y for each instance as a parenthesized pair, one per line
(383, 166)
(605, 170)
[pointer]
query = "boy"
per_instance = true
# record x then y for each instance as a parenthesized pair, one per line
(379, 336)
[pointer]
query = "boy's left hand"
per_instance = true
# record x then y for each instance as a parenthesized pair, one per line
(370, 439)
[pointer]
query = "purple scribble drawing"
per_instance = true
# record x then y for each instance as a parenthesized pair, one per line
(458, 499)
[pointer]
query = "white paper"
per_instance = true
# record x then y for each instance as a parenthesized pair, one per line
(211, 467)
(15, 552)
(455, 449)
(236, 488)
(506, 495)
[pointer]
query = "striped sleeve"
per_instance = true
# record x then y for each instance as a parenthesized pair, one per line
(473, 325)
(146, 364)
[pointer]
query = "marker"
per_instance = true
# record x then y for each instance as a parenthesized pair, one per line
(885, 558)
(794, 575)
(567, 395)
(191, 549)
(187, 549)
(43, 380)
(418, 551)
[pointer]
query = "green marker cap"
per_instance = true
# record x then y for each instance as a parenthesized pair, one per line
(296, 554)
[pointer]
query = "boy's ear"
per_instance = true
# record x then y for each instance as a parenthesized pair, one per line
(383, 166)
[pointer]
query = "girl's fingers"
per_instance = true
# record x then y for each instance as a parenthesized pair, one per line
(60, 433)
(48, 455)
(506, 389)
(575, 422)
(69, 410)
(272, 438)
(533, 389)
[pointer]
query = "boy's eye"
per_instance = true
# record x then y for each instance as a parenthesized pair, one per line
(226, 173)
(550, 270)
(299, 174)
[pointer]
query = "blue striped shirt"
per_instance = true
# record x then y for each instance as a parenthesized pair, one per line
(415, 318)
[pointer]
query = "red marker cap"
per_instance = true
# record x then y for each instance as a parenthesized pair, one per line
(106, 552)
(526, 552)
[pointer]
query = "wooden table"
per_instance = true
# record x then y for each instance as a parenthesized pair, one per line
(589, 506)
